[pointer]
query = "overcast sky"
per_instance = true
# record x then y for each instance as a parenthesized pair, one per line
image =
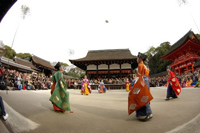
(56, 26)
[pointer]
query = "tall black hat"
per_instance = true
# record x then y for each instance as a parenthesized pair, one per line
(168, 67)
(57, 66)
(142, 56)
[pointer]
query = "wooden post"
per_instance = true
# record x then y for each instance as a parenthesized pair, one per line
(108, 71)
(192, 67)
(187, 67)
(120, 65)
(97, 72)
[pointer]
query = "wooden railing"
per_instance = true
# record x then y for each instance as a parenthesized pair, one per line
(108, 86)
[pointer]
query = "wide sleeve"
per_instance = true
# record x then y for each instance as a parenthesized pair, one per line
(53, 79)
(172, 75)
(61, 81)
(82, 84)
(88, 84)
(139, 72)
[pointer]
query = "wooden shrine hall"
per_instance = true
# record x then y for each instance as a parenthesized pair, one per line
(44, 65)
(115, 63)
(184, 53)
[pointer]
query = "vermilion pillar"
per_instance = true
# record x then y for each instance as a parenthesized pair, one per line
(193, 67)
(187, 67)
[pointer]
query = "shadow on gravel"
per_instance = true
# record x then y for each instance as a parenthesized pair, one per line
(107, 113)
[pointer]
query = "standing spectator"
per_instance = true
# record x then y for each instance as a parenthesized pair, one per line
(19, 84)
(2, 83)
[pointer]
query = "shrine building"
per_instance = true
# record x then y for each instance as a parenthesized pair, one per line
(115, 63)
(184, 53)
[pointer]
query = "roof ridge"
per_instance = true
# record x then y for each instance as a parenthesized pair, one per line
(187, 34)
(22, 59)
(180, 42)
(106, 50)
(41, 58)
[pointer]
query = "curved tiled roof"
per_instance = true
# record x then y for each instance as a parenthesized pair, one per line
(10, 62)
(26, 63)
(113, 54)
(42, 62)
(181, 41)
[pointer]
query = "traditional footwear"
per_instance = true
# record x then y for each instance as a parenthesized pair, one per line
(71, 111)
(167, 99)
(59, 111)
(151, 115)
(142, 117)
(146, 118)
(5, 117)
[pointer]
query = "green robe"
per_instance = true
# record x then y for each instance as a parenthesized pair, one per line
(60, 97)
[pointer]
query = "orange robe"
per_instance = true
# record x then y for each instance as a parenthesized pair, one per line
(101, 88)
(139, 95)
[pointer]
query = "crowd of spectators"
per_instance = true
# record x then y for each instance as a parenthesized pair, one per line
(108, 81)
(15, 80)
(73, 83)
(186, 79)
(158, 81)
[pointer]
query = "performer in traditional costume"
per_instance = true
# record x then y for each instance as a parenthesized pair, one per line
(139, 97)
(86, 88)
(102, 88)
(174, 87)
(59, 95)
(127, 85)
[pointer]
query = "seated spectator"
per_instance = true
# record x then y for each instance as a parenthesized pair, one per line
(183, 82)
(48, 83)
(189, 81)
(194, 81)
(44, 87)
(198, 83)
(75, 84)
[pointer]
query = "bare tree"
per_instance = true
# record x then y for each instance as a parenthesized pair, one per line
(70, 52)
(182, 2)
(25, 10)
